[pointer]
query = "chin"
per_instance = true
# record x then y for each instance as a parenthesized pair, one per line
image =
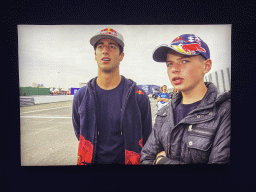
(107, 70)
(179, 87)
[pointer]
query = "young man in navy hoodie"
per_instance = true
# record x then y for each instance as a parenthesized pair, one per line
(111, 114)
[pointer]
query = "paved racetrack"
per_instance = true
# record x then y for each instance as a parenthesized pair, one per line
(47, 136)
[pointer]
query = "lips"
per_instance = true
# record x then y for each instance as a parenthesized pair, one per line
(106, 59)
(177, 80)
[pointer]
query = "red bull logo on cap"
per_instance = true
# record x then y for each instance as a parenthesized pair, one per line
(108, 31)
(189, 47)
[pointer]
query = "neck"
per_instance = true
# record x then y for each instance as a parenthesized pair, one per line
(192, 96)
(108, 81)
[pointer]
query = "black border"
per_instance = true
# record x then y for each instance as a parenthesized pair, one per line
(238, 175)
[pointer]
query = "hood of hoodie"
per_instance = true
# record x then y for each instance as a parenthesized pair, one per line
(127, 84)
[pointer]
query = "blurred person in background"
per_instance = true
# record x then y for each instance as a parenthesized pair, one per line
(162, 98)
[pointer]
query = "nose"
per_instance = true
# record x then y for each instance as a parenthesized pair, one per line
(175, 67)
(105, 49)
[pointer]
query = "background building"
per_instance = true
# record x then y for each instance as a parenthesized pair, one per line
(220, 78)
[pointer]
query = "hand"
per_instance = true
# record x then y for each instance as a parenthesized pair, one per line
(161, 153)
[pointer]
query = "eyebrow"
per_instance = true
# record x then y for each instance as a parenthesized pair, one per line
(109, 43)
(182, 57)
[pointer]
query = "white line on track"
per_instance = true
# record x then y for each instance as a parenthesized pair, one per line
(46, 117)
(45, 109)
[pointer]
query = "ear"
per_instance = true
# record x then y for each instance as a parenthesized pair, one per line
(95, 56)
(207, 65)
(121, 56)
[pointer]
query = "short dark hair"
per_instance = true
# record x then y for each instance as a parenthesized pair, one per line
(121, 49)
(162, 87)
(201, 57)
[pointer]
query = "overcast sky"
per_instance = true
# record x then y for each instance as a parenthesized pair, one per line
(45, 50)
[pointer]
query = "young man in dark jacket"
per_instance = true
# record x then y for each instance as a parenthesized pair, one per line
(111, 114)
(195, 127)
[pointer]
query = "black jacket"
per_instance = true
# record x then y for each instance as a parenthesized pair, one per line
(203, 136)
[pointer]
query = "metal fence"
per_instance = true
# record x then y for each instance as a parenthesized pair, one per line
(220, 78)
(28, 91)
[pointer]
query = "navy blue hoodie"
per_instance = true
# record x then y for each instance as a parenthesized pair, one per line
(136, 121)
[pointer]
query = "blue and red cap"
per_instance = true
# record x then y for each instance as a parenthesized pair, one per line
(187, 44)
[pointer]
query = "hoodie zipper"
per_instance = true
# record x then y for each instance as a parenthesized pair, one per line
(96, 132)
(122, 110)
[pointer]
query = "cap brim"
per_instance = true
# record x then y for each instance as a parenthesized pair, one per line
(160, 53)
(96, 38)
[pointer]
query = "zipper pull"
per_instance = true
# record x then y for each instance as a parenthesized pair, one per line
(121, 133)
(98, 132)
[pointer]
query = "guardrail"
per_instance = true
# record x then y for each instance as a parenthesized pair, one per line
(26, 101)
(41, 99)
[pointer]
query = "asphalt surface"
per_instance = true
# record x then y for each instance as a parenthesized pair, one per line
(47, 136)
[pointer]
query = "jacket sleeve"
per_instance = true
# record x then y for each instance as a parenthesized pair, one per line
(220, 153)
(75, 115)
(146, 121)
(145, 114)
(152, 146)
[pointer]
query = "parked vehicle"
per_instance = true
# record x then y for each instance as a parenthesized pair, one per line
(150, 89)
(155, 95)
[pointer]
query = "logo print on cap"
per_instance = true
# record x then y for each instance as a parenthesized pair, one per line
(108, 31)
(189, 48)
(177, 39)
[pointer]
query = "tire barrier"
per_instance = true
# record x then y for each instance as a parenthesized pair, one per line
(41, 99)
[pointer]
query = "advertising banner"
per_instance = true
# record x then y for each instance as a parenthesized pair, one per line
(74, 90)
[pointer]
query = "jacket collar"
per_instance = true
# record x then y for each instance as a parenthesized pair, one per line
(128, 85)
(208, 99)
(211, 98)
